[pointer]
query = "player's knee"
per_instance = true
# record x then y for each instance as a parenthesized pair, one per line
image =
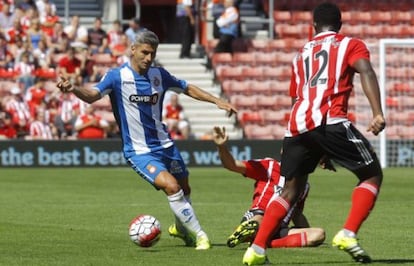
(316, 237)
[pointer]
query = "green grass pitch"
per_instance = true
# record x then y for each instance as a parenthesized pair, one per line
(74, 216)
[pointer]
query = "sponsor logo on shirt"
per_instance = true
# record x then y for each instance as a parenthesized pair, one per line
(150, 99)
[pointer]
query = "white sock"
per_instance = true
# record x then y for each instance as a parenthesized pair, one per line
(257, 249)
(348, 233)
(184, 212)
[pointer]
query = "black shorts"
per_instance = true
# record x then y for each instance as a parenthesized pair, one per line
(342, 142)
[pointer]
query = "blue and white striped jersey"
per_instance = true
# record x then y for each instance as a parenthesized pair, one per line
(137, 105)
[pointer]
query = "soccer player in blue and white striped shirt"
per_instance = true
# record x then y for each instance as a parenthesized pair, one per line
(137, 90)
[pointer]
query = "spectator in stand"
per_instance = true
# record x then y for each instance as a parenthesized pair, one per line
(7, 130)
(120, 50)
(89, 71)
(25, 4)
(185, 23)
(91, 125)
(174, 117)
(14, 32)
(97, 38)
(24, 69)
(228, 24)
(42, 55)
(68, 111)
(70, 66)
(27, 17)
(133, 29)
(39, 129)
(6, 57)
(48, 20)
(45, 8)
(19, 111)
(115, 34)
(35, 33)
(59, 41)
(76, 32)
(36, 96)
(217, 8)
(6, 16)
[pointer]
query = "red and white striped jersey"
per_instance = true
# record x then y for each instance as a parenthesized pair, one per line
(40, 130)
(321, 81)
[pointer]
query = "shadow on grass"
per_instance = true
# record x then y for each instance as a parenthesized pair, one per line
(394, 261)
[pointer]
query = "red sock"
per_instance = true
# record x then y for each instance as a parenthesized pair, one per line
(363, 200)
(274, 214)
(290, 241)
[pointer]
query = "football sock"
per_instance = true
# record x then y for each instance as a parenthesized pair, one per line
(274, 214)
(363, 200)
(290, 241)
(184, 212)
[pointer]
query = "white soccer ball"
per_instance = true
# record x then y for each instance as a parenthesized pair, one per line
(145, 230)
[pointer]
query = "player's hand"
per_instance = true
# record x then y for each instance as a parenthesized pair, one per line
(219, 136)
(377, 124)
(326, 163)
(65, 85)
(227, 106)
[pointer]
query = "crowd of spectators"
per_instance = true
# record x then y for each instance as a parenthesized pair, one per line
(36, 47)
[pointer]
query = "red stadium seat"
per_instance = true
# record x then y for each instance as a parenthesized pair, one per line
(234, 87)
(221, 59)
(258, 132)
(260, 87)
(104, 59)
(401, 17)
(258, 45)
(270, 102)
(283, 44)
(228, 72)
(244, 58)
(381, 17)
(299, 17)
(252, 73)
(250, 117)
(282, 16)
(274, 116)
(243, 102)
(266, 58)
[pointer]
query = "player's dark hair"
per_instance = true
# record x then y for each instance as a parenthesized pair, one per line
(327, 14)
(147, 37)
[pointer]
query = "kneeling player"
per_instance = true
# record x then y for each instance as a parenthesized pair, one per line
(268, 184)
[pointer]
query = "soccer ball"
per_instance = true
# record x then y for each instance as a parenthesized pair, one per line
(145, 230)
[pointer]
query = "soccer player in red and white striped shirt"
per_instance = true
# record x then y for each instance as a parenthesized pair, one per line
(321, 84)
(268, 184)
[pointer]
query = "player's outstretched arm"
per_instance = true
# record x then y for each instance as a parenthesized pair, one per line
(220, 139)
(201, 95)
(86, 94)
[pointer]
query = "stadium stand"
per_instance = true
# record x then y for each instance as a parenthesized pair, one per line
(369, 20)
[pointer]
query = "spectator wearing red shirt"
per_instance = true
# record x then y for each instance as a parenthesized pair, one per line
(48, 20)
(70, 66)
(36, 95)
(90, 125)
(174, 118)
(7, 130)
